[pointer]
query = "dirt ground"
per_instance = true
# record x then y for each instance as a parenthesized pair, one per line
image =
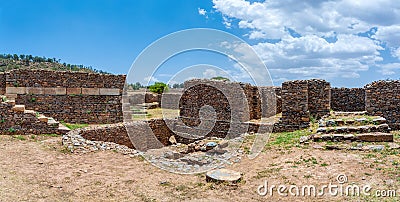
(39, 168)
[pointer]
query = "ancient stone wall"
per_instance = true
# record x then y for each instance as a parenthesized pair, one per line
(19, 122)
(169, 100)
(348, 99)
(53, 79)
(271, 101)
(230, 100)
(2, 83)
(73, 97)
(295, 113)
(319, 97)
(90, 109)
(382, 98)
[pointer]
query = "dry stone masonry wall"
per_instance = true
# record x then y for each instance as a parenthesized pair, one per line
(348, 99)
(15, 121)
(2, 83)
(73, 97)
(383, 99)
(295, 113)
(90, 109)
(319, 97)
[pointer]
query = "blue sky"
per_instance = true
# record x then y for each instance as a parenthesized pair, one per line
(349, 43)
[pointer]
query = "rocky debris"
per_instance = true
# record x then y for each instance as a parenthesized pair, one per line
(172, 140)
(223, 175)
(75, 143)
(393, 145)
(304, 139)
(210, 145)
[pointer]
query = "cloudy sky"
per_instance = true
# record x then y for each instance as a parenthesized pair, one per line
(347, 42)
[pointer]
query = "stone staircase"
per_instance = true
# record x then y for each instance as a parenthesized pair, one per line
(353, 126)
(52, 124)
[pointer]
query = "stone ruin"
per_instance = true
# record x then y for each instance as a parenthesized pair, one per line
(207, 108)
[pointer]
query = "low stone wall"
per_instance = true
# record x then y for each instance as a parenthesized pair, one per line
(319, 98)
(2, 83)
(348, 99)
(17, 122)
(155, 133)
(92, 109)
(382, 98)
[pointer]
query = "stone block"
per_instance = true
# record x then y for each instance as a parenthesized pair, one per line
(109, 91)
(90, 91)
(34, 90)
(74, 91)
(15, 90)
(61, 91)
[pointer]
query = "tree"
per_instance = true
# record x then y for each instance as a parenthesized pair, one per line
(136, 86)
(220, 78)
(158, 87)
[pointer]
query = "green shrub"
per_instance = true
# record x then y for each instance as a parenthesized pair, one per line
(158, 87)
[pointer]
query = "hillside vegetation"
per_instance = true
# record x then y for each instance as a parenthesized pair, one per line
(9, 62)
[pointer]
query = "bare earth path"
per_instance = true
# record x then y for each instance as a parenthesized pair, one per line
(40, 169)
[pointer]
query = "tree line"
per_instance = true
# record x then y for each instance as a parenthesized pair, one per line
(27, 59)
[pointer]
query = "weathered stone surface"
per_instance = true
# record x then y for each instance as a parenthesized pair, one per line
(375, 137)
(17, 120)
(66, 79)
(76, 108)
(348, 99)
(382, 99)
(109, 91)
(15, 90)
(2, 83)
(319, 97)
(34, 90)
(74, 91)
(223, 175)
(90, 91)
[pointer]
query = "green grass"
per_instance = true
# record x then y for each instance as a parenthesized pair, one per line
(287, 138)
(73, 126)
(19, 137)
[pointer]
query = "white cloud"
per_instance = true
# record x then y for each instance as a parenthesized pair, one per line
(150, 79)
(396, 53)
(202, 12)
(389, 69)
(311, 54)
(209, 73)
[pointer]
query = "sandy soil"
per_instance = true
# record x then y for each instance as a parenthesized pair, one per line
(40, 169)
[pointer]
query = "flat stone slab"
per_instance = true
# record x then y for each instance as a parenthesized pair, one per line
(223, 175)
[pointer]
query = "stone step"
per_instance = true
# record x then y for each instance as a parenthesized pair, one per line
(364, 137)
(346, 114)
(11, 96)
(63, 129)
(354, 129)
(52, 123)
(351, 122)
(19, 108)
